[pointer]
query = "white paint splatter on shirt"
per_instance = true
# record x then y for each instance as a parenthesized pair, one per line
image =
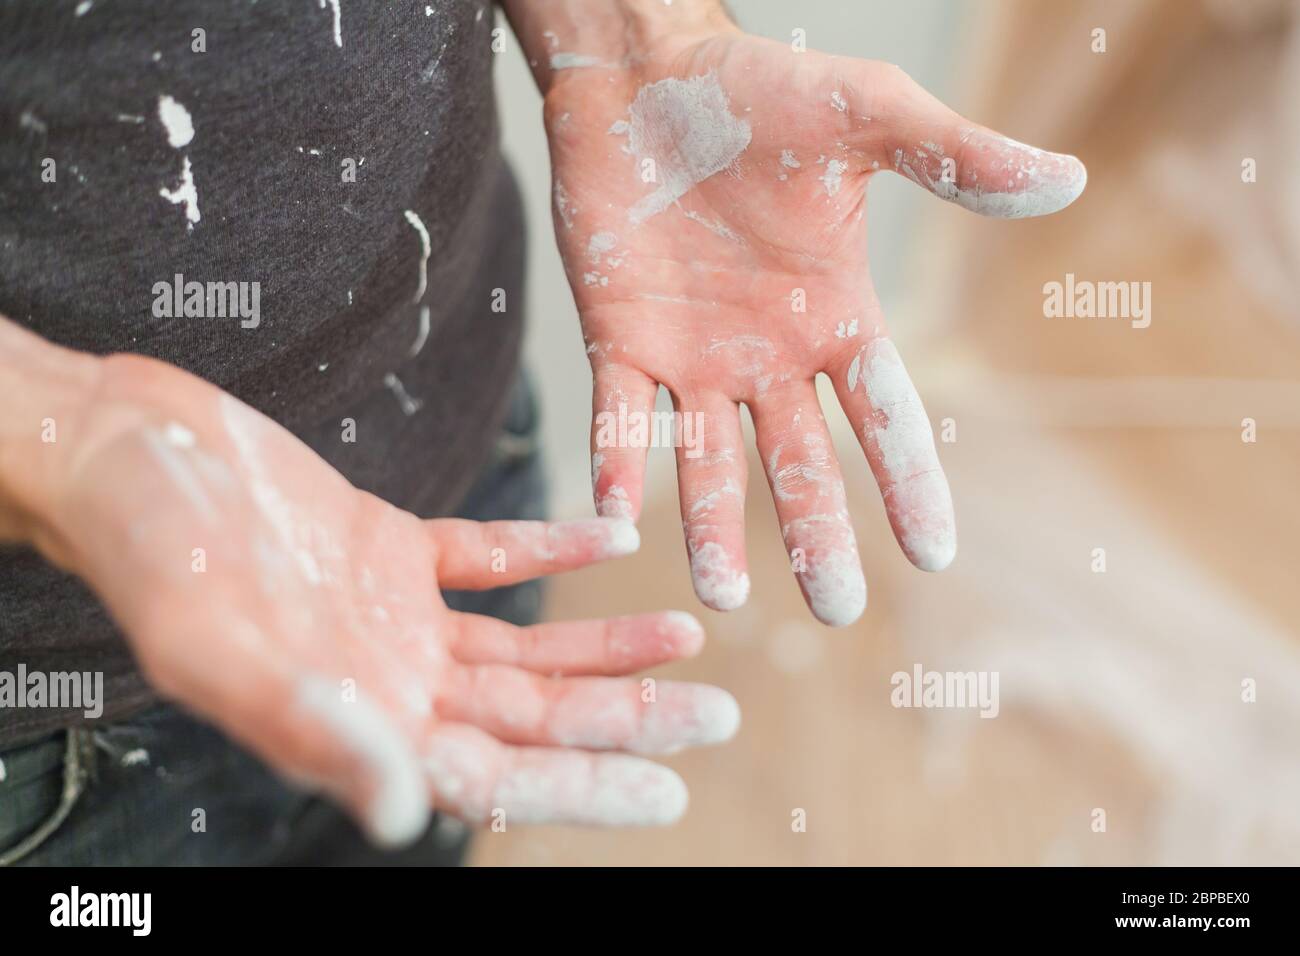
(426, 250)
(408, 404)
(179, 126)
(422, 335)
(186, 194)
(338, 20)
(176, 121)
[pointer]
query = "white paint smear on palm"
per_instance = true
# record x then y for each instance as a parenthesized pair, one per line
(715, 226)
(171, 458)
(686, 127)
(915, 489)
(244, 428)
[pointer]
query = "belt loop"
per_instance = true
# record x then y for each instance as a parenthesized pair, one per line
(78, 766)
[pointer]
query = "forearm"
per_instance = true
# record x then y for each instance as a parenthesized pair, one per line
(42, 387)
(561, 34)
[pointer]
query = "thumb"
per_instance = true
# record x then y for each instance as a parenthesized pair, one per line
(962, 162)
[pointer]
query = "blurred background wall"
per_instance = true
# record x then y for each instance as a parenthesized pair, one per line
(1121, 690)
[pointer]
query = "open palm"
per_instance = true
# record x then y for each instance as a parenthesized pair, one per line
(709, 197)
(260, 589)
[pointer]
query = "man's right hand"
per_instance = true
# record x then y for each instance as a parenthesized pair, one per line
(260, 589)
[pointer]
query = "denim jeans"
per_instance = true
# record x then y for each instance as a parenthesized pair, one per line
(130, 793)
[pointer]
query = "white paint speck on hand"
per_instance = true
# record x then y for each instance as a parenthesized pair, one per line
(600, 243)
(178, 436)
(563, 204)
(833, 178)
(573, 61)
(714, 226)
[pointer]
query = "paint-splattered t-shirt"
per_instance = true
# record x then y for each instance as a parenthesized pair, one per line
(334, 166)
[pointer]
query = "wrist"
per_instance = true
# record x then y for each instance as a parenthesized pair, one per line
(649, 22)
(563, 38)
(43, 390)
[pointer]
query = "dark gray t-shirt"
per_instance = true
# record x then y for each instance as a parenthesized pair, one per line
(343, 156)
